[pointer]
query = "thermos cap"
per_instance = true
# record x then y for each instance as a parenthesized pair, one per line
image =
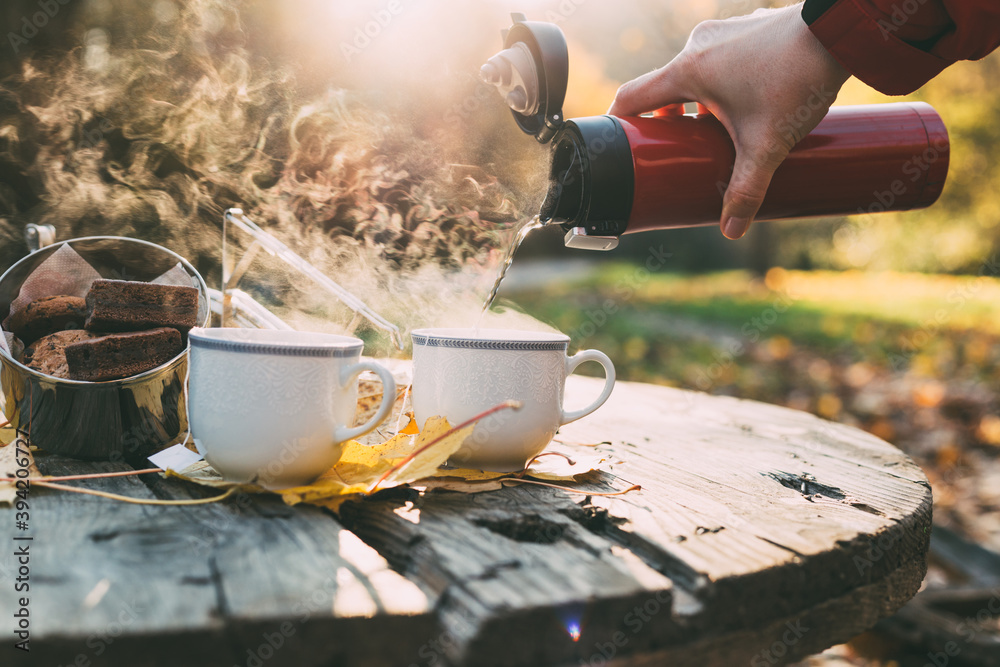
(532, 73)
(591, 179)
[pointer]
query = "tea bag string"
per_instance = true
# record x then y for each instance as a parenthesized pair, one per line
(187, 399)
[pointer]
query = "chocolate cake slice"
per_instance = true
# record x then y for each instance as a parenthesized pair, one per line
(47, 315)
(47, 355)
(122, 355)
(123, 305)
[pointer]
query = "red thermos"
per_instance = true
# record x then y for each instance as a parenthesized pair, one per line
(612, 176)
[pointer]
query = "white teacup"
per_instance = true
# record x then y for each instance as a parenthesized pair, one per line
(274, 407)
(460, 373)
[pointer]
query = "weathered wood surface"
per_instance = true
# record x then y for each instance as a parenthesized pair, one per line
(761, 535)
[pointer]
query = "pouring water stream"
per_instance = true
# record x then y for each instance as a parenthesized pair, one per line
(533, 224)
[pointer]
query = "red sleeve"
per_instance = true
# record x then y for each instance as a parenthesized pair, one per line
(896, 46)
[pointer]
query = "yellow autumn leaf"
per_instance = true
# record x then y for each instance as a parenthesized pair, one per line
(405, 459)
(363, 468)
(433, 447)
(400, 460)
(8, 433)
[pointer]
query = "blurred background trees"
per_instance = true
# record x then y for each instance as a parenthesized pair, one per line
(420, 69)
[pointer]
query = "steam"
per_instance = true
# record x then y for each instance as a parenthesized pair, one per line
(156, 142)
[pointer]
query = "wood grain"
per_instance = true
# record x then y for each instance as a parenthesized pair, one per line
(203, 585)
(760, 535)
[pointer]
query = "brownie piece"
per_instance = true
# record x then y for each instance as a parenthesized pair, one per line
(47, 315)
(47, 355)
(122, 355)
(122, 305)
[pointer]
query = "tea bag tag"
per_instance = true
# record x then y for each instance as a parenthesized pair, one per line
(175, 458)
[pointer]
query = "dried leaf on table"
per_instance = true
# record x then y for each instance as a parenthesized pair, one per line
(459, 484)
(401, 460)
(8, 433)
(204, 474)
(470, 475)
(548, 468)
(430, 456)
(544, 468)
(358, 468)
(407, 459)
(361, 467)
(559, 469)
(582, 444)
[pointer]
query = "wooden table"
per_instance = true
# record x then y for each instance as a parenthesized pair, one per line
(761, 535)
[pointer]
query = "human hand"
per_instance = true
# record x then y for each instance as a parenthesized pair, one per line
(766, 78)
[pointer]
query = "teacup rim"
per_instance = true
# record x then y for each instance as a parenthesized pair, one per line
(485, 338)
(288, 342)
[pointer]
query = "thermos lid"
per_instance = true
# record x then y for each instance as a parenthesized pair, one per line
(531, 73)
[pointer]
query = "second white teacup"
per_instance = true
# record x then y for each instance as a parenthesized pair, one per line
(460, 373)
(274, 407)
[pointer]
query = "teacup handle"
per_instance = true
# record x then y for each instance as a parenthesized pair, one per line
(609, 383)
(349, 374)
